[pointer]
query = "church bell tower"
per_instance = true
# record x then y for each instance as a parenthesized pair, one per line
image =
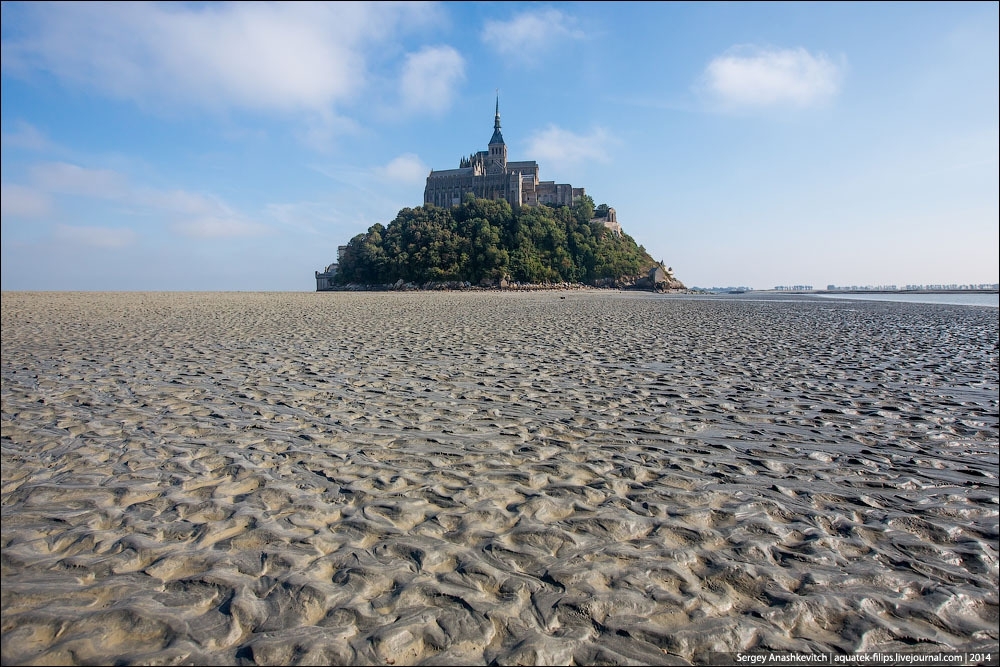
(498, 149)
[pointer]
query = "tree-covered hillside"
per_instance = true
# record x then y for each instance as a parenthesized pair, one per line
(486, 240)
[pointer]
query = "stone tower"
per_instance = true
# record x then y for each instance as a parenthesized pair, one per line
(497, 163)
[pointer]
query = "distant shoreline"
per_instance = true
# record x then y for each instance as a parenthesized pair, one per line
(884, 291)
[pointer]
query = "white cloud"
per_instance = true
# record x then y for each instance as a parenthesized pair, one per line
(321, 129)
(187, 213)
(199, 216)
(26, 136)
(429, 78)
(18, 201)
(219, 228)
(97, 237)
(530, 33)
(264, 56)
(756, 77)
(180, 202)
(562, 148)
(307, 217)
(70, 179)
(406, 168)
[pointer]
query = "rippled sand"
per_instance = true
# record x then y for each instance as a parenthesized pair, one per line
(470, 478)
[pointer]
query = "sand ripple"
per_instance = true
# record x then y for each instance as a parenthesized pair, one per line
(458, 478)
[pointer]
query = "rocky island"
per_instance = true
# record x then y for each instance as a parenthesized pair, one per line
(492, 223)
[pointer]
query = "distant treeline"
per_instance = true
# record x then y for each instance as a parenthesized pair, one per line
(486, 240)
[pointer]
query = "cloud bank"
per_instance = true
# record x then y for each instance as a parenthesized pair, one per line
(95, 237)
(18, 201)
(210, 227)
(28, 137)
(270, 57)
(70, 179)
(186, 213)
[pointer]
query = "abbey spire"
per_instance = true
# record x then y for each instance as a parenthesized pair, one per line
(498, 149)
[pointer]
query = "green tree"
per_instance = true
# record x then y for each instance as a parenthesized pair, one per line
(487, 239)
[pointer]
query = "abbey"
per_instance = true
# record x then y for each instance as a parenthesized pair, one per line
(489, 175)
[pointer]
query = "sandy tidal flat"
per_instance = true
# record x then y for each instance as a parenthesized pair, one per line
(485, 478)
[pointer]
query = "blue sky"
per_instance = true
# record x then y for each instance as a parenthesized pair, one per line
(234, 146)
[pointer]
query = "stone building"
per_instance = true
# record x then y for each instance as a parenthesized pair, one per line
(608, 217)
(489, 175)
(324, 279)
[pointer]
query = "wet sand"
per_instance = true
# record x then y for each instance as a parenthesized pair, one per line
(587, 477)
